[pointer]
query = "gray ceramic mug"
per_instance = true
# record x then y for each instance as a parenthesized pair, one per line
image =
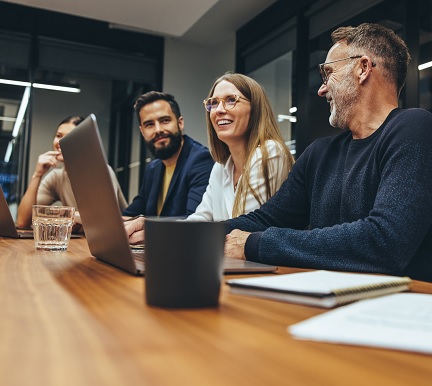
(183, 263)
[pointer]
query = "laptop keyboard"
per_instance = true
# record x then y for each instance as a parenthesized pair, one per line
(138, 252)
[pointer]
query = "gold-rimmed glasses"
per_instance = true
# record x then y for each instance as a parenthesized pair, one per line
(228, 102)
(323, 72)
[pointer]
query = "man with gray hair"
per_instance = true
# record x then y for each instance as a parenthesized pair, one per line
(360, 200)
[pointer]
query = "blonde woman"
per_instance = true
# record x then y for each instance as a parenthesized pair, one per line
(251, 157)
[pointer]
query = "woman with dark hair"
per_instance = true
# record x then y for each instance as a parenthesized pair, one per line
(55, 186)
(251, 157)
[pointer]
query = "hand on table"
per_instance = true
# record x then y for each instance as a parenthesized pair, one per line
(235, 243)
(135, 229)
(77, 224)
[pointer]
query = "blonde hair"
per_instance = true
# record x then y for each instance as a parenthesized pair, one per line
(262, 126)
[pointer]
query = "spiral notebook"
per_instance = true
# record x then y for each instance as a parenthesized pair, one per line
(325, 289)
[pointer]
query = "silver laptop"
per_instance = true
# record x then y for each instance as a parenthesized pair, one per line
(87, 168)
(7, 224)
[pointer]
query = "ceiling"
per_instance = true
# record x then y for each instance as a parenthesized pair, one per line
(190, 20)
(206, 22)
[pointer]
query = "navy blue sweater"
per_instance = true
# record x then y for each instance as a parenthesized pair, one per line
(353, 205)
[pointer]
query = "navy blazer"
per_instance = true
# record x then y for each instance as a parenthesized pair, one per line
(188, 183)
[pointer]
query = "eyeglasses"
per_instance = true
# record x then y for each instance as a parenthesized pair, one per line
(323, 72)
(229, 102)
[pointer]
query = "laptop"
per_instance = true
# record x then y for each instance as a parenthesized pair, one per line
(87, 168)
(7, 224)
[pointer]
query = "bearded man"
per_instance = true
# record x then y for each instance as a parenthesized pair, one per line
(361, 200)
(175, 181)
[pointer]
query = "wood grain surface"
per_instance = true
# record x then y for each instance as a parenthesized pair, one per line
(68, 319)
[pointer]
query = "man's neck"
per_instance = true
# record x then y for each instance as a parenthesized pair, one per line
(173, 160)
(375, 104)
(364, 126)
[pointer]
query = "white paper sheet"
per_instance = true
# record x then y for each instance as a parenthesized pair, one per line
(400, 321)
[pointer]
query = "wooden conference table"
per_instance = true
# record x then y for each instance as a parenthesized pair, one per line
(68, 319)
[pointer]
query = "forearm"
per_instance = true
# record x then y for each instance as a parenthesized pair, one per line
(383, 242)
(288, 208)
(134, 209)
(24, 216)
(45, 162)
(332, 249)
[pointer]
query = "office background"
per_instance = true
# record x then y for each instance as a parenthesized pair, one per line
(279, 43)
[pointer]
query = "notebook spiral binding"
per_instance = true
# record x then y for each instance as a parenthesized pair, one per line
(349, 295)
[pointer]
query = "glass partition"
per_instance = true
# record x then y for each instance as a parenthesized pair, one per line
(425, 56)
(14, 102)
(277, 78)
(44, 80)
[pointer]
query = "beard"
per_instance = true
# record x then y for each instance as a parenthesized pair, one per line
(343, 96)
(170, 149)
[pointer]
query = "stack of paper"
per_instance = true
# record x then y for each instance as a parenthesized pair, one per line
(398, 321)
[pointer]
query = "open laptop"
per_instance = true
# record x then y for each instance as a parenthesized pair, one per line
(7, 224)
(87, 168)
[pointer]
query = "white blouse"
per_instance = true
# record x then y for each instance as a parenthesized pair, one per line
(218, 200)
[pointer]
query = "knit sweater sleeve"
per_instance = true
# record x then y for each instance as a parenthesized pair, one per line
(391, 236)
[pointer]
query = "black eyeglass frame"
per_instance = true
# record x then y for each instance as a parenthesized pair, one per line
(324, 75)
(236, 97)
